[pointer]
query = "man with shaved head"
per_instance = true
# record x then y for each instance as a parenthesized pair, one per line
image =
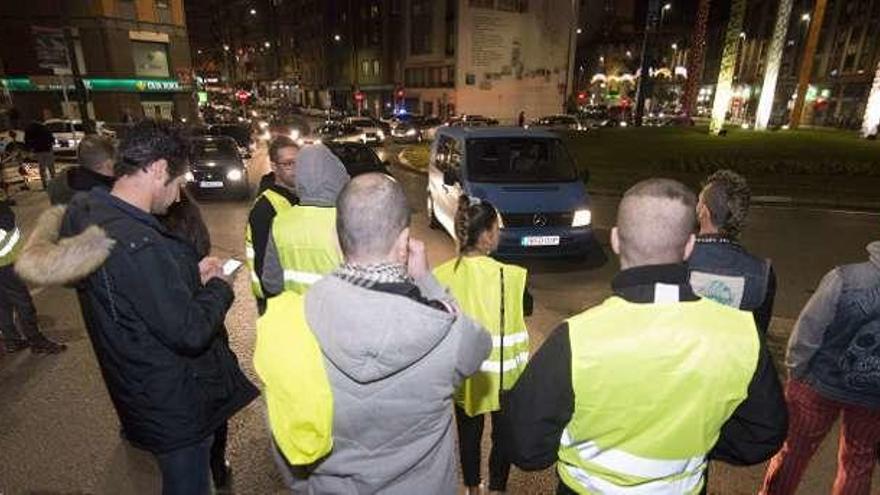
(394, 349)
(640, 392)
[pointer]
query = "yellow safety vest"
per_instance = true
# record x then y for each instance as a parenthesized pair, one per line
(279, 203)
(476, 286)
(10, 245)
(653, 385)
(308, 249)
(290, 364)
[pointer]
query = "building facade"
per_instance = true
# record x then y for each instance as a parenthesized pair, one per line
(116, 57)
(490, 57)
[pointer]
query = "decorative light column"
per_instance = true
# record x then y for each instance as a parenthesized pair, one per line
(724, 87)
(872, 109)
(774, 61)
(696, 58)
(807, 62)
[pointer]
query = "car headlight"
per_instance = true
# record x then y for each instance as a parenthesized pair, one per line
(294, 134)
(582, 218)
(364, 137)
(381, 134)
(234, 175)
(623, 123)
(411, 132)
(190, 177)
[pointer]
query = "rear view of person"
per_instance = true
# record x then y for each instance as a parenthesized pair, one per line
(493, 294)
(833, 369)
(721, 268)
(303, 246)
(95, 156)
(639, 393)
(391, 350)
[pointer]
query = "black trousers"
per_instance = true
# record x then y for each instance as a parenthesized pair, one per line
(470, 435)
(16, 304)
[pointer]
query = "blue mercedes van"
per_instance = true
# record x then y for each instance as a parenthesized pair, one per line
(527, 174)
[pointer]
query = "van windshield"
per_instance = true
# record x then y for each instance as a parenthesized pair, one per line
(519, 160)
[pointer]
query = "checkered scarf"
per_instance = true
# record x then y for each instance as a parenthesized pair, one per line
(369, 275)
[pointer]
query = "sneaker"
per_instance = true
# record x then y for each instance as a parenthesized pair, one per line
(46, 346)
(13, 346)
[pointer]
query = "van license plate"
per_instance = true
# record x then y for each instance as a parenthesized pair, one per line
(541, 240)
(211, 184)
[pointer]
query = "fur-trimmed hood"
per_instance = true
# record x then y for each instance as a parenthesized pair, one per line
(47, 260)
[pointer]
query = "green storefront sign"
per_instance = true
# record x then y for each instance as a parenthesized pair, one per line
(100, 85)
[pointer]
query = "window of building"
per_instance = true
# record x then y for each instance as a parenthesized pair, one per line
(482, 4)
(421, 35)
(365, 68)
(163, 4)
(376, 68)
(150, 59)
(374, 11)
(513, 5)
(126, 9)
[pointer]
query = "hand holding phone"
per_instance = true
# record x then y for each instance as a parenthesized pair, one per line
(231, 266)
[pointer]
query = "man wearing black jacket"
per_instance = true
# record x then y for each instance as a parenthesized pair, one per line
(95, 156)
(646, 388)
(156, 335)
(277, 192)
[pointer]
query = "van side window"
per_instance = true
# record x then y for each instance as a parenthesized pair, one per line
(454, 155)
(440, 160)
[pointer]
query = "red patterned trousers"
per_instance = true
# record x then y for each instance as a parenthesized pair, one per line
(810, 418)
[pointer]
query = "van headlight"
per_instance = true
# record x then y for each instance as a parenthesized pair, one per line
(381, 134)
(234, 175)
(582, 218)
(411, 132)
(190, 177)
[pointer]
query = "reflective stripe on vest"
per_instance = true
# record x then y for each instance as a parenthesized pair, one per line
(289, 362)
(279, 203)
(10, 243)
(476, 286)
(305, 237)
(631, 434)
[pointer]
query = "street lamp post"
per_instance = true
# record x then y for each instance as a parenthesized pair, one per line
(650, 19)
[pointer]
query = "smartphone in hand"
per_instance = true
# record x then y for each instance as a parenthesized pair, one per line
(230, 266)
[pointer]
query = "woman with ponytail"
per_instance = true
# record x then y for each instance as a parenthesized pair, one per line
(494, 294)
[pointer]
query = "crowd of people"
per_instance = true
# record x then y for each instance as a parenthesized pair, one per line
(372, 363)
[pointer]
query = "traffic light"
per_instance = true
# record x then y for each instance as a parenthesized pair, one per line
(400, 93)
(582, 96)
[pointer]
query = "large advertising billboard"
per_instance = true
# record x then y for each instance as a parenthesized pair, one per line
(513, 57)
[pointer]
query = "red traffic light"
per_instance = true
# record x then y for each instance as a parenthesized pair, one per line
(359, 96)
(582, 95)
(400, 93)
(242, 95)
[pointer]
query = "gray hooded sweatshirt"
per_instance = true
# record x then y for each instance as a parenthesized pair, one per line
(393, 364)
(320, 177)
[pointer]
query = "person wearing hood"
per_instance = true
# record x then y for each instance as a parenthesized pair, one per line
(833, 372)
(384, 351)
(95, 156)
(303, 246)
(154, 315)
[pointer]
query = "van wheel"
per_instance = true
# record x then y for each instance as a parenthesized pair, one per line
(432, 218)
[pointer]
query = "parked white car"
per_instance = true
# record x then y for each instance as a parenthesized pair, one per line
(68, 133)
(373, 134)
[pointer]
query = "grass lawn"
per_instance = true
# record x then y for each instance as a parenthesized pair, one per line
(418, 155)
(679, 149)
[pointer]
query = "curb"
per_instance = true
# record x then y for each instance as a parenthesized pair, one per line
(404, 163)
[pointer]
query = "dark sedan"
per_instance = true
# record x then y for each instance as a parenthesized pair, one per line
(358, 158)
(217, 167)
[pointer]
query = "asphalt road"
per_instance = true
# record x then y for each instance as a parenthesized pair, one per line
(59, 433)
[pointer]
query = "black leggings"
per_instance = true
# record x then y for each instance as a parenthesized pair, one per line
(470, 434)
